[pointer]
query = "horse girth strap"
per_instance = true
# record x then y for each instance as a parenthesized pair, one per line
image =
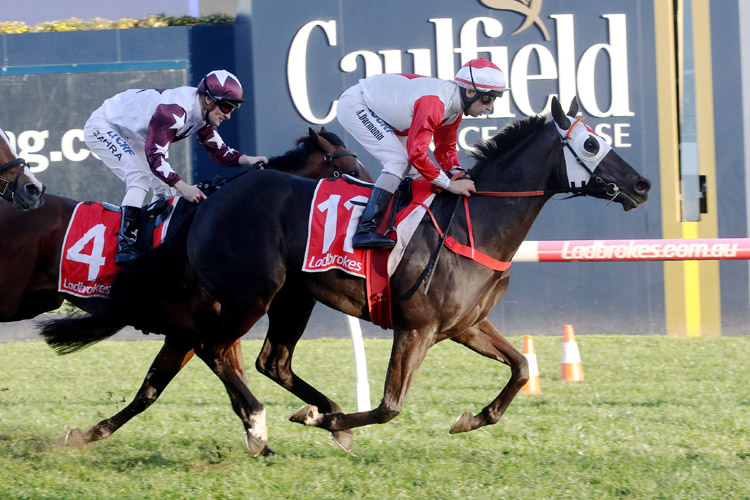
(470, 251)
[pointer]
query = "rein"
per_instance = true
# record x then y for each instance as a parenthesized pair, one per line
(610, 189)
(328, 158)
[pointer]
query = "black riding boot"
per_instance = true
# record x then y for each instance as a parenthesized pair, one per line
(126, 237)
(365, 236)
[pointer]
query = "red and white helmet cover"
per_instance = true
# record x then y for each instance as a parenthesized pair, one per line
(482, 75)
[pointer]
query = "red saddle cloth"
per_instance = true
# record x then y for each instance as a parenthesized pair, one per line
(335, 212)
(87, 260)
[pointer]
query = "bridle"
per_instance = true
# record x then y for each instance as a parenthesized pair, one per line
(329, 158)
(8, 188)
(595, 185)
(610, 188)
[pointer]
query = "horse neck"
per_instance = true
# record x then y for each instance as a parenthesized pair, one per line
(308, 166)
(529, 167)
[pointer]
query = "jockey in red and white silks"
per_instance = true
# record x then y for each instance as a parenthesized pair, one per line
(396, 116)
(132, 132)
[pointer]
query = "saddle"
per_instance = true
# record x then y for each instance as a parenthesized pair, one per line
(152, 216)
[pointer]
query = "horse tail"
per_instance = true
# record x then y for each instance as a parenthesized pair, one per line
(79, 330)
(134, 297)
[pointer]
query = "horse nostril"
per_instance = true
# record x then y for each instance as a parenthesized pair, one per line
(32, 189)
(642, 186)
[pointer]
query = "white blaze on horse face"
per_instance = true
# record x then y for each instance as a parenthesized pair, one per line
(32, 178)
(7, 141)
(578, 175)
(26, 170)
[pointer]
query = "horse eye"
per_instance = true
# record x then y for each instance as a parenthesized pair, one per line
(354, 173)
(591, 145)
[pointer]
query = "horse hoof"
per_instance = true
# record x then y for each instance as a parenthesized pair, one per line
(307, 415)
(75, 437)
(255, 445)
(266, 452)
(344, 439)
(462, 423)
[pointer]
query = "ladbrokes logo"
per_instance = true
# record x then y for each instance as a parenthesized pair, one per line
(528, 8)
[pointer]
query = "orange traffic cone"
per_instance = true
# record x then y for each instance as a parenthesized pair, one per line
(532, 386)
(572, 368)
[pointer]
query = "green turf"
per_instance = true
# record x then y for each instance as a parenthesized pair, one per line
(656, 417)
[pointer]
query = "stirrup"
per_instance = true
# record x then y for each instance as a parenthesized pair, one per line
(371, 239)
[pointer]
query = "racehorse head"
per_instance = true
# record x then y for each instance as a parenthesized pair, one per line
(319, 155)
(592, 167)
(568, 157)
(17, 184)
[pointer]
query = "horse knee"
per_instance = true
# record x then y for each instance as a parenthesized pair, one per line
(146, 397)
(521, 370)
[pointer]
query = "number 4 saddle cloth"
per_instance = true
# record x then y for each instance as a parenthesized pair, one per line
(87, 260)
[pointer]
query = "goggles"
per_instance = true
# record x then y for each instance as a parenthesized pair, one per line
(224, 105)
(486, 98)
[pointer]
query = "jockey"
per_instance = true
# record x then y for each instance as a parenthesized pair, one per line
(395, 116)
(132, 131)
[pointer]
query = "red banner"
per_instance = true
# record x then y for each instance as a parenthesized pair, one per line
(633, 250)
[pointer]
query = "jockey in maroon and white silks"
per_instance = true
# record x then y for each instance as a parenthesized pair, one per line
(396, 116)
(132, 131)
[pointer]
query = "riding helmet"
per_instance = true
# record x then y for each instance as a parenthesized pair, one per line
(483, 76)
(221, 85)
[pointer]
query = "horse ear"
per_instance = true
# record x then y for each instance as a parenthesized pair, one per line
(559, 115)
(322, 130)
(324, 143)
(313, 134)
(573, 111)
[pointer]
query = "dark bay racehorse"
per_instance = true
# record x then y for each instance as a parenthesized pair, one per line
(257, 271)
(17, 184)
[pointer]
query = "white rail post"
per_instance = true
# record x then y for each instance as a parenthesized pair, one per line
(360, 365)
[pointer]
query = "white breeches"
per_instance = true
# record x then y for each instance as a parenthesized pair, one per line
(374, 134)
(126, 158)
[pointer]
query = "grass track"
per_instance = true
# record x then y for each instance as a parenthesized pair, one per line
(656, 417)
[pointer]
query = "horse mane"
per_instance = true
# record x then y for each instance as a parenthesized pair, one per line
(295, 158)
(505, 141)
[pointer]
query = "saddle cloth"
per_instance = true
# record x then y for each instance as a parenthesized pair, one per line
(87, 260)
(335, 212)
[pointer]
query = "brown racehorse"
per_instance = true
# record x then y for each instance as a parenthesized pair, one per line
(17, 184)
(30, 254)
(258, 271)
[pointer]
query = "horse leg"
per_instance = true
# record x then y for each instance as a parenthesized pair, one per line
(170, 360)
(275, 358)
(219, 357)
(407, 353)
(485, 339)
